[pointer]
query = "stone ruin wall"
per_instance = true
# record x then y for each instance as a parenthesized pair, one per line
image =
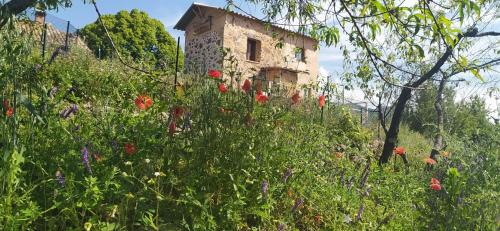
(203, 48)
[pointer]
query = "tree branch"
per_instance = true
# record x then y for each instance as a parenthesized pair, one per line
(489, 33)
(13, 7)
(371, 54)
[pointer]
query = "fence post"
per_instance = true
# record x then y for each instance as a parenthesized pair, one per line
(66, 42)
(44, 40)
(177, 62)
(361, 116)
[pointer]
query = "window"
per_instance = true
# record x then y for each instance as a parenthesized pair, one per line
(253, 50)
(300, 54)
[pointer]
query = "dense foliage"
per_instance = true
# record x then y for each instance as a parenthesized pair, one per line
(467, 118)
(136, 35)
(94, 146)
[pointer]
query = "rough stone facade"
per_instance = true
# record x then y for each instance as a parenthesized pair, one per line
(209, 29)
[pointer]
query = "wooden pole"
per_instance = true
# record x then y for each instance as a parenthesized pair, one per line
(66, 42)
(44, 40)
(177, 62)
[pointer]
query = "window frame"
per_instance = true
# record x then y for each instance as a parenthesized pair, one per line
(302, 52)
(253, 54)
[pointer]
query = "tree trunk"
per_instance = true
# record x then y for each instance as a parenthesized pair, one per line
(391, 137)
(438, 105)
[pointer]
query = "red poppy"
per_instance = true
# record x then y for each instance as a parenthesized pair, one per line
(295, 98)
(321, 101)
(261, 98)
(436, 187)
(247, 86)
(130, 149)
(317, 219)
(399, 151)
(222, 88)
(9, 112)
(172, 127)
(143, 102)
(214, 74)
(178, 111)
(97, 157)
(435, 181)
(430, 161)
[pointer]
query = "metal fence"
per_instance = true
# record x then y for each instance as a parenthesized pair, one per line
(54, 33)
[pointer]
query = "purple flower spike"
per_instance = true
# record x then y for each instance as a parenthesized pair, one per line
(287, 174)
(114, 144)
(281, 227)
(60, 178)
(68, 112)
(63, 113)
(85, 159)
(265, 187)
(360, 212)
(53, 92)
(187, 122)
(298, 203)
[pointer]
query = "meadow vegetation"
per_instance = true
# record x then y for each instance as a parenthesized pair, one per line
(89, 144)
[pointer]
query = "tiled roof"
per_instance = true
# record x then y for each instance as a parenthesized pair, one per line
(54, 36)
(190, 14)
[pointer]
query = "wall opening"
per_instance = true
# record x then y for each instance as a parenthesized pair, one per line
(300, 54)
(253, 50)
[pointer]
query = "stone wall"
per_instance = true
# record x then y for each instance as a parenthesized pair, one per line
(239, 29)
(204, 42)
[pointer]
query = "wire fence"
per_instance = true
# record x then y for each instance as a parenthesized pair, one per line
(53, 33)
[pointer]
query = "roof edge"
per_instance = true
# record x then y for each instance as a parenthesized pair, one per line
(189, 14)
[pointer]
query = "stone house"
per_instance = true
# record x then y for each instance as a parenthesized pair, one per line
(276, 57)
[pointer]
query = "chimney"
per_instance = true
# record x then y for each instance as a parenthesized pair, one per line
(40, 16)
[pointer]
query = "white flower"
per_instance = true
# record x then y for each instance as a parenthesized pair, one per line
(157, 174)
(147, 161)
(128, 163)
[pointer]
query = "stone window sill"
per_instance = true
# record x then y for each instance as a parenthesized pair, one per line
(251, 61)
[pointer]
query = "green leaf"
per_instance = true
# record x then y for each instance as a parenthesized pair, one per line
(420, 51)
(477, 75)
(461, 12)
(476, 8)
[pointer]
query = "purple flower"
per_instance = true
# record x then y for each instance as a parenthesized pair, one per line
(281, 227)
(298, 202)
(69, 111)
(187, 121)
(114, 144)
(85, 159)
(364, 179)
(265, 187)
(287, 174)
(60, 178)
(360, 212)
(53, 91)
(38, 67)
